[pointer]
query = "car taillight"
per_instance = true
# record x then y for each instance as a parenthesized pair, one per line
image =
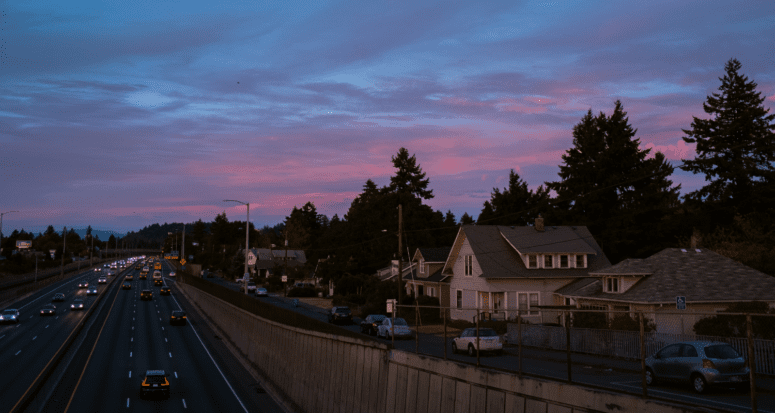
(707, 364)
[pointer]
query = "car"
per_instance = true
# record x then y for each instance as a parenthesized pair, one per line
(164, 290)
(146, 295)
(251, 287)
(98, 269)
(10, 315)
(83, 284)
(48, 309)
(700, 363)
(106, 266)
(111, 273)
(129, 277)
(158, 282)
(155, 383)
(371, 323)
(261, 292)
(340, 314)
(172, 274)
(58, 297)
(143, 276)
(145, 270)
(102, 280)
(489, 341)
(178, 317)
(126, 285)
(400, 330)
(91, 291)
(77, 304)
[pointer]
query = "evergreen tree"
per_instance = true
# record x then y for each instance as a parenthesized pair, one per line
(608, 184)
(516, 205)
(466, 219)
(735, 147)
(409, 177)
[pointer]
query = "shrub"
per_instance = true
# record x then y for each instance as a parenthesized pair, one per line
(302, 292)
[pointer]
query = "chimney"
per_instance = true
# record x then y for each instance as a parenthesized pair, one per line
(539, 224)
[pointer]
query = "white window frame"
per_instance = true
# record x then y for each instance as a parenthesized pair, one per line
(431, 291)
(528, 295)
(468, 261)
(458, 299)
(533, 264)
(551, 260)
(567, 261)
(583, 259)
(422, 266)
(613, 284)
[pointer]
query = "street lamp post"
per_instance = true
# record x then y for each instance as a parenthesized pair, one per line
(1, 227)
(247, 238)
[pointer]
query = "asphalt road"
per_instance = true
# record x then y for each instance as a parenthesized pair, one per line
(620, 375)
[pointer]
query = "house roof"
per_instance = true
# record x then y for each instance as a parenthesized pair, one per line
(562, 239)
(703, 276)
(437, 276)
(497, 258)
(630, 266)
(434, 254)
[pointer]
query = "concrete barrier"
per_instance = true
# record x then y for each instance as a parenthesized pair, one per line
(319, 372)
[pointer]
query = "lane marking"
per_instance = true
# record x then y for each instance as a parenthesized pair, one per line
(170, 353)
(159, 318)
(213, 360)
(46, 326)
(130, 354)
(17, 353)
(133, 327)
(132, 339)
(184, 404)
(130, 374)
(35, 337)
(176, 374)
(162, 328)
(127, 402)
(165, 339)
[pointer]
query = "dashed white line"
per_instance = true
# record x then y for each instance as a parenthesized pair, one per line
(184, 404)
(2, 336)
(46, 326)
(159, 318)
(133, 327)
(17, 353)
(170, 354)
(130, 374)
(165, 340)
(132, 339)
(162, 328)
(130, 354)
(176, 374)
(133, 319)
(127, 402)
(30, 316)
(35, 337)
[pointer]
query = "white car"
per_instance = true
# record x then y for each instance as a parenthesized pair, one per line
(489, 341)
(172, 274)
(388, 330)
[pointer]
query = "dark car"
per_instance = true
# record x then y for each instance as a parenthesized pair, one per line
(155, 383)
(158, 282)
(83, 284)
(129, 277)
(340, 315)
(77, 304)
(126, 285)
(92, 291)
(146, 295)
(58, 297)
(164, 290)
(178, 317)
(371, 323)
(699, 363)
(10, 315)
(48, 309)
(143, 276)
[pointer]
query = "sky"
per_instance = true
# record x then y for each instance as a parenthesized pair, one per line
(121, 114)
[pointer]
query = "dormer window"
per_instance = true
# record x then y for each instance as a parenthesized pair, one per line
(422, 266)
(532, 261)
(611, 285)
(564, 261)
(580, 261)
(548, 261)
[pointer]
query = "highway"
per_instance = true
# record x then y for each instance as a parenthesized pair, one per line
(126, 337)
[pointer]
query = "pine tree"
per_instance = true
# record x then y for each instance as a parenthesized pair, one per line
(735, 146)
(516, 205)
(608, 184)
(409, 177)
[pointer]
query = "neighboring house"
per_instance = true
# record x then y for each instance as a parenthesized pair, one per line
(709, 282)
(426, 277)
(263, 260)
(501, 269)
(391, 272)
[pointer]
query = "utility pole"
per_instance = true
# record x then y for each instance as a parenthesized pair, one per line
(91, 252)
(286, 254)
(183, 243)
(1, 228)
(400, 262)
(64, 244)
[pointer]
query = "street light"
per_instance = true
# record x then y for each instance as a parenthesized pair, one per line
(1, 228)
(247, 235)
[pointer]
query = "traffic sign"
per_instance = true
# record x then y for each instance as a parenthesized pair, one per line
(182, 261)
(285, 278)
(680, 302)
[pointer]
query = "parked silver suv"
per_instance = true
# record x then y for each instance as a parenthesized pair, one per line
(700, 363)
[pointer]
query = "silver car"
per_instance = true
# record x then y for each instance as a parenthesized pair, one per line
(700, 363)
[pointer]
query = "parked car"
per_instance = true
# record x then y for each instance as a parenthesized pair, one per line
(399, 330)
(10, 315)
(340, 314)
(371, 323)
(261, 292)
(489, 341)
(699, 363)
(48, 309)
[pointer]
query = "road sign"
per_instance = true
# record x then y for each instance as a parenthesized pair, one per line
(680, 303)
(390, 304)
(183, 261)
(285, 278)
(23, 244)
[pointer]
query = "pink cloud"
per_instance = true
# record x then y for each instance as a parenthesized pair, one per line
(681, 150)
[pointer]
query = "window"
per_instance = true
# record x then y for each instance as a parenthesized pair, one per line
(612, 285)
(431, 292)
(532, 261)
(527, 303)
(469, 261)
(459, 299)
(422, 266)
(548, 261)
(580, 261)
(564, 261)
(570, 301)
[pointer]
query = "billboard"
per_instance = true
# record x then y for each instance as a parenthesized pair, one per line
(23, 244)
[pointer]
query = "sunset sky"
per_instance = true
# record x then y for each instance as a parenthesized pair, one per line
(120, 114)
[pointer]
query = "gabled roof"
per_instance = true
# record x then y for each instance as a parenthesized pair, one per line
(630, 266)
(434, 254)
(437, 276)
(499, 259)
(702, 276)
(569, 240)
